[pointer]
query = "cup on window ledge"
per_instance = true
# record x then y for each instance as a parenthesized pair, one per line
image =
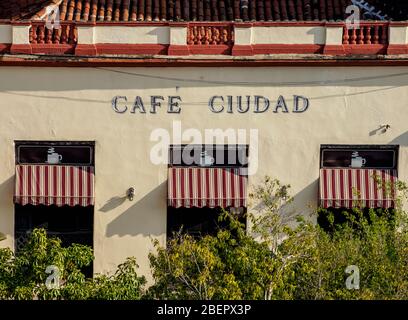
(54, 158)
(358, 162)
(206, 160)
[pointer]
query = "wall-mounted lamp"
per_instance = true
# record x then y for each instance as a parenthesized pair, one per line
(130, 194)
(2, 236)
(385, 128)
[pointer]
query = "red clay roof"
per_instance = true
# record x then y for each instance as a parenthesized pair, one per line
(195, 10)
(20, 9)
(182, 10)
(202, 10)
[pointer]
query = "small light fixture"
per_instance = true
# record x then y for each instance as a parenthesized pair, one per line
(385, 128)
(2, 236)
(130, 194)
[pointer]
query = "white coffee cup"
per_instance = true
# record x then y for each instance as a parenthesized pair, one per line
(206, 160)
(54, 158)
(358, 162)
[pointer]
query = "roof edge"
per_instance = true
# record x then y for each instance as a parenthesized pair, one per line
(204, 61)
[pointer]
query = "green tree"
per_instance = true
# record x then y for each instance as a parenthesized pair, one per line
(229, 265)
(24, 276)
(302, 262)
(270, 260)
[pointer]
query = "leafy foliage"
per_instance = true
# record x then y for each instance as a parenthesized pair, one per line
(271, 261)
(226, 266)
(304, 262)
(24, 276)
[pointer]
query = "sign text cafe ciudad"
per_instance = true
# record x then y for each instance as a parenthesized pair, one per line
(216, 104)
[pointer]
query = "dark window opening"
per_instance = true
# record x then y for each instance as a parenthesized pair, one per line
(359, 156)
(221, 156)
(55, 152)
(70, 224)
(377, 157)
(197, 222)
(340, 216)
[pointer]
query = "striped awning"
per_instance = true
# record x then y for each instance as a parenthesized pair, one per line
(347, 188)
(206, 187)
(54, 185)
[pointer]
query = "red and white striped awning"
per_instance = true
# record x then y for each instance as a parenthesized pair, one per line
(347, 188)
(54, 185)
(206, 187)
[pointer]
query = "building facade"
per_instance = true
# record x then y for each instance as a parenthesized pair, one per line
(93, 127)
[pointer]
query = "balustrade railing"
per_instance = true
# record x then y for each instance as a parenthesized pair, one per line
(369, 33)
(210, 34)
(40, 34)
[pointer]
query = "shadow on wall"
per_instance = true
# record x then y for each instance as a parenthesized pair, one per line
(160, 36)
(105, 78)
(115, 81)
(7, 191)
(304, 204)
(7, 215)
(401, 139)
(318, 35)
(113, 203)
(148, 216)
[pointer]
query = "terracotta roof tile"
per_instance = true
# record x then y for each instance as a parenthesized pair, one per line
(20, 9)
(195, 10)
(203, 10)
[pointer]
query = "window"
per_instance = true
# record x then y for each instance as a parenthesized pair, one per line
(54, 191)
(198, 222)
(354, 175)
(202, 180)
(51, 152)
(221, 156)
(359, 156)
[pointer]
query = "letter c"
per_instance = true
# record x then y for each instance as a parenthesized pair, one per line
(115, 104)
(211, 104)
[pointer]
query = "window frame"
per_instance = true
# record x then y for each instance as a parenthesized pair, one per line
(66, 144)
(215, 148)
(360, 147)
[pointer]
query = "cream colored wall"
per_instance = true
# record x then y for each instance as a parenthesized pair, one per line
(86, 34)
(334, 35)
(347, 105)
(289, 35)
(398, 35)
(131, 35)
(20, 34)
(243, 36)
(178, 36)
